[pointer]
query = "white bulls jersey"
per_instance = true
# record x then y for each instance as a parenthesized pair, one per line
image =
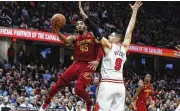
(113, 62)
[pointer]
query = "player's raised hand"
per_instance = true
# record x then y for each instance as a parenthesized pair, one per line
(55, 26)
(177, 47)
(136, 6)
(82, 11)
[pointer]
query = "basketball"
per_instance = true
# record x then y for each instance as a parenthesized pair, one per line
(59, 18)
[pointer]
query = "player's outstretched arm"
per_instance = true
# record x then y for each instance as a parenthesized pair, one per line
(127, 39)
(83, 14)
(67, 40)
(94, 28)
(128, 95)
(152, 103)
(137, 92)
(133, 101)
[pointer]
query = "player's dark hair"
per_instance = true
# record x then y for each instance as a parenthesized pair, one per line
(81, 20)
(149, 75)
(119, 35)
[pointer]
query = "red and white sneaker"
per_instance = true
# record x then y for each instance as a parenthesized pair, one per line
(96, 107)
(44, 107)
(89, 105)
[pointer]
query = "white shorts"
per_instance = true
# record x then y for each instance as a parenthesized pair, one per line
(111, 96)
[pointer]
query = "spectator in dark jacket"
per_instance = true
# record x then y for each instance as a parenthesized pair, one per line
(11, 55)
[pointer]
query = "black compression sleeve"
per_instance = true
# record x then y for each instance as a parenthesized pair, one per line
(94, 28)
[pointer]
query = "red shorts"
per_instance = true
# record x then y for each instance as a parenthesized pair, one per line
(79, 71)
(141, 105)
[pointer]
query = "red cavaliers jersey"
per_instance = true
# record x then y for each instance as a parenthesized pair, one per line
(145, 93)
(85, 47)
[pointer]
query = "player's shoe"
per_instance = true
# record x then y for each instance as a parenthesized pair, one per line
(44, 107)
(89, 105)
(96, 107)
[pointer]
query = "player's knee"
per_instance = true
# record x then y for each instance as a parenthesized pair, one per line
(62, 82)
(79, 90)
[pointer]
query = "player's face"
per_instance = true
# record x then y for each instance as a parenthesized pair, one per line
(80, 26)
(147, 78)
(112, 38)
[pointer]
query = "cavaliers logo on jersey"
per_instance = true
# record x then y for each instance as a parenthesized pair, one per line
(88, 75)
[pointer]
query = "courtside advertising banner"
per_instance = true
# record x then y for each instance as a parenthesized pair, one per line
(53, 38)
(29, 35)
(154, 51)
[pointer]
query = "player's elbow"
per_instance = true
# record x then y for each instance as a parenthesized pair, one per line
(97, 34)
(126, 44)
(67, 42)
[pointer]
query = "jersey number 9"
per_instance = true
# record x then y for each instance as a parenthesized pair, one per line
(118, 64)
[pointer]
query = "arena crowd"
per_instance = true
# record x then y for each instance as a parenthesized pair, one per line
(28, 87)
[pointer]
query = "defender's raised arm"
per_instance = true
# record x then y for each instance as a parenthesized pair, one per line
(127, 39)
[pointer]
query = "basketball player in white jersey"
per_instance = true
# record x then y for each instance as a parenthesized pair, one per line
(111, 94)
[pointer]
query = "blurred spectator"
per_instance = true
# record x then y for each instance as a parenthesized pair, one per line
(11, 55)
(3, 90)
(6, 65)
(47, 76)
(70, 106)
(20, 55)
(26, 104)
(92, 88)
(1, 102)
(23, 26)
(55, 104)
(80, 106)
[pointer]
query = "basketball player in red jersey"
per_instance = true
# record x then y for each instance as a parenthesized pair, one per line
(87, 60)
(143, 92)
